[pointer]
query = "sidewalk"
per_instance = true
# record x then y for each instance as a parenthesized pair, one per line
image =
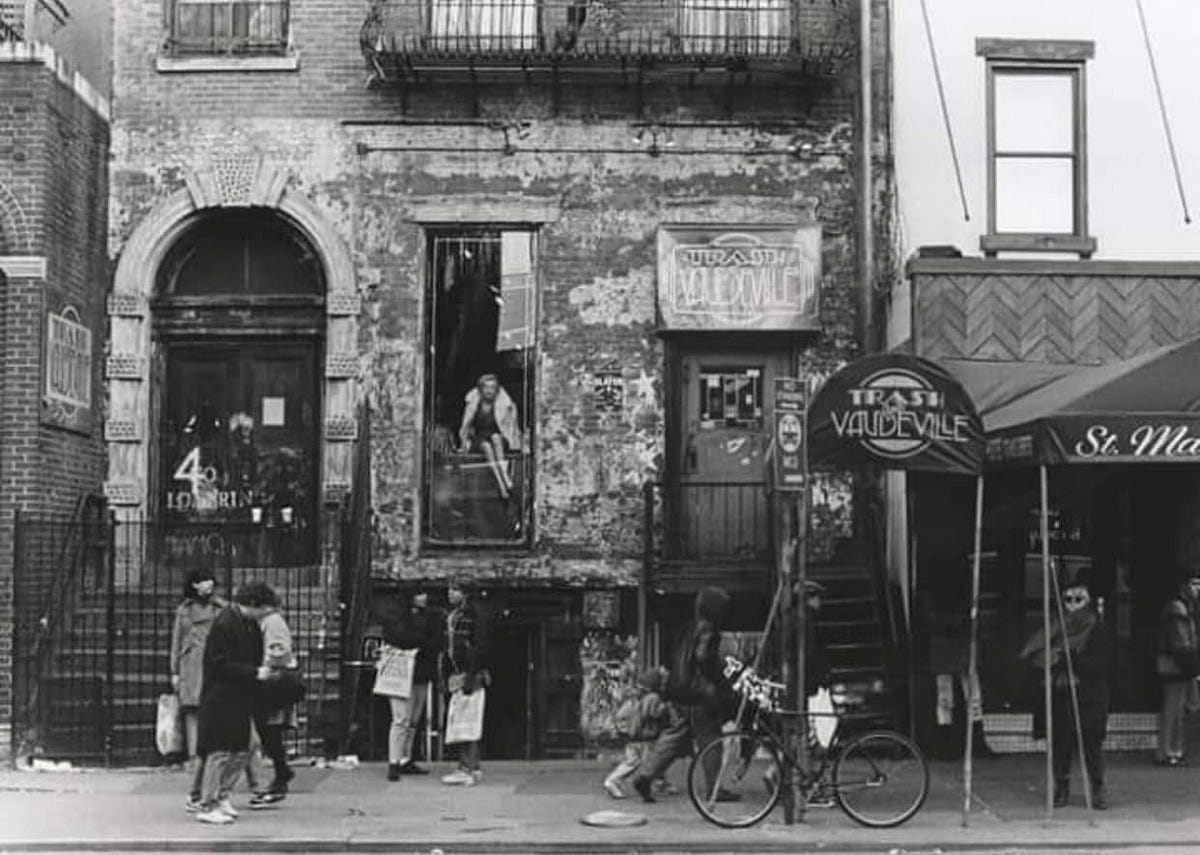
(537, 806)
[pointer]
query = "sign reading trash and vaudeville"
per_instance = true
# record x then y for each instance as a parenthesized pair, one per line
(739, 278)
(895, 411)
(66, 366)
(788, 454)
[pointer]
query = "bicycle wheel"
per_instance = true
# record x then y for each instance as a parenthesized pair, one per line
(880, 779)
(736, 779)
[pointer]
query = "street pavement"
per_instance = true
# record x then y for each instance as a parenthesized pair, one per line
(536, 807)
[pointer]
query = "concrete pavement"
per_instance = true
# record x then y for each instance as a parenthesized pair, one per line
(537, 806)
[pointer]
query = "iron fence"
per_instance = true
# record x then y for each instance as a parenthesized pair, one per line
(95, 605)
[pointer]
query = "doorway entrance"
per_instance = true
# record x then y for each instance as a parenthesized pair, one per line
(508, 720)
(717, 504)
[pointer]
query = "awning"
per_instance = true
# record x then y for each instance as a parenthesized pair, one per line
(1140, 410)
(894, 411)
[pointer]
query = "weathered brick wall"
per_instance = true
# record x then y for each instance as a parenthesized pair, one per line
(596, 260)
(53, 188)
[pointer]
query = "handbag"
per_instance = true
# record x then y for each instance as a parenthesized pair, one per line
(464, 717)
(168, 728)
(394, 672)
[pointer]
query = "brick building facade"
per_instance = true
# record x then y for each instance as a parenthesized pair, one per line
(327, 228)
(53, 278)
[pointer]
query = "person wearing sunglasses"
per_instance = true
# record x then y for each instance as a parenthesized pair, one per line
(1082, 632)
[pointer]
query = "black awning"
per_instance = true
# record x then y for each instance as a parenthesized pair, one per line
(1145, 409)
(895, 411)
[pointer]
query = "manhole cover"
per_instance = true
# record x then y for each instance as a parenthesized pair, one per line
(613, 819)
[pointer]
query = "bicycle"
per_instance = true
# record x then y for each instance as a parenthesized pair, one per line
(878, 778)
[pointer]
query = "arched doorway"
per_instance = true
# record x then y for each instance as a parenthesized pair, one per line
(238, 333)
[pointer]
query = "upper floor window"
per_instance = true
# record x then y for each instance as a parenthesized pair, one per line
(1037, 145)
(751, 27)
(228, 27)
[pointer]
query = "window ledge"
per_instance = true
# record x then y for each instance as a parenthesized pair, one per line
(1081, 244)
(168, 64)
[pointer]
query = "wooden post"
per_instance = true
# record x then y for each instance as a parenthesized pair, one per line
(787, 540)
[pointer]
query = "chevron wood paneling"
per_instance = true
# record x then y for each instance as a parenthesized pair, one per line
(1051, 316)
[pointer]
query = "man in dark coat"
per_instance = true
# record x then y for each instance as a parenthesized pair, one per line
(414, 627)
(233, 669)
(466, 657)
(698, 690)
(1178, 664)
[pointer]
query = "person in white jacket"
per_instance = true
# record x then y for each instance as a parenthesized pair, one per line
(490, 427)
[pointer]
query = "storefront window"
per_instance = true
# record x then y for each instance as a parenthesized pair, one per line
(479, 394)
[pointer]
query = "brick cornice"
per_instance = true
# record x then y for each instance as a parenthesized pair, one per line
(23, 266)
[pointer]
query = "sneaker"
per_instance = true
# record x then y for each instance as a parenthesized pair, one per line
(194, 805)
(821, 797)
(214, 816)
(665, 788)
(226, 807)
(258, 801)
(614, 789)
(476, 776)
(411, 768)
(461, 777)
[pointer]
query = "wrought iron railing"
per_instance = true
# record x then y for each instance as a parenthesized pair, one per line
(236, 27)
(97, 690)
(723, 522)
(695, 30)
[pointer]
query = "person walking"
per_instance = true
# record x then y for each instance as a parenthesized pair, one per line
(413, 628)
(233, 670)
(1178, 663)
(194, 618)
(466, 657)
(696, 684)
(275, 709)
(1083, 633)
(640, 718)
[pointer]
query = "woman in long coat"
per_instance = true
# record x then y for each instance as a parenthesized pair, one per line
(194, 618)
(233, 670)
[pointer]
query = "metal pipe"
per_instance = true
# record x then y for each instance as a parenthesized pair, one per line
(866, 232)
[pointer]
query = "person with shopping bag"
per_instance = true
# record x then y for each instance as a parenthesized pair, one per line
(194, 617)
(465, 661)
(416, 631)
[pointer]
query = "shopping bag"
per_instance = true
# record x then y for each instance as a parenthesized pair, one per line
(168, 730)
(824, 723)
(464, 717)
(394, 672)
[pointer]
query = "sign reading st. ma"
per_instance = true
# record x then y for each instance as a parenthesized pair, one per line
(790, 401)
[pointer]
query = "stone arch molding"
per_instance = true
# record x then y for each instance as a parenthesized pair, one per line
(230, 181)
(16, 236)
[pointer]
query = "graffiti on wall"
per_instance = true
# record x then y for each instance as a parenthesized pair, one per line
(609, 666)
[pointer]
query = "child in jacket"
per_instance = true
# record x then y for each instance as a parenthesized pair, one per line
(640, 718)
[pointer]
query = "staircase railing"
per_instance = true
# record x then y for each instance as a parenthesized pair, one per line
(78, 537)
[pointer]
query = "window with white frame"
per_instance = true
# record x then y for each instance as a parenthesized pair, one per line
(1036, 145)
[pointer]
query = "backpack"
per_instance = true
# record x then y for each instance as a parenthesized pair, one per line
(627, 719)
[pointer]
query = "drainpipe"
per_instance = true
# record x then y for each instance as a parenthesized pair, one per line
(866, 231)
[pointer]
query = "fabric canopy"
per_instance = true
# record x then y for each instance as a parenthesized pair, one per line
(895, 411)
(1140, 410)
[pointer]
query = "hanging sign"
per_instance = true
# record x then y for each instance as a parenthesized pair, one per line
(748, 277)
(898, 412)
(67, 370)
(788, 456)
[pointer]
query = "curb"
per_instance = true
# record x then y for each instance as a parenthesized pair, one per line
(568, 847)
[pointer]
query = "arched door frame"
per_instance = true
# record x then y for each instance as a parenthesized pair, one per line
(235, 182)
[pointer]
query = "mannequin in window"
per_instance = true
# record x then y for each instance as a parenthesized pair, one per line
(489, 427)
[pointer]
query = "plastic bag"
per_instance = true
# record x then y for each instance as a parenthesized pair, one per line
(464, 717)
(824, 723)
(168, 730)
(394, 672)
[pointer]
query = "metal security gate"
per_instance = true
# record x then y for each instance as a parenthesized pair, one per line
(94, 607)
